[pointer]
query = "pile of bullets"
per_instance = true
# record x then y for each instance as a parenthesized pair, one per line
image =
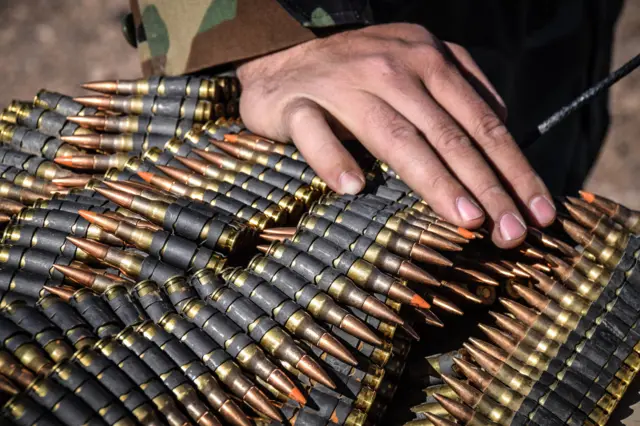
(162, 265)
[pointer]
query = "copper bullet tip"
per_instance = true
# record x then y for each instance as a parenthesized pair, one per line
(270, 237)
(410, 331)
(227, 147)
(258, 401)
(446, 305)
(355, 327)
(65, 161)
(587, 196)
(106, 86)
(178, 174)
(197, 166)
(263, 248)
(6, 386)
(104, 222)
(84, 141)
(231, 137)
(121, 198)
(288, 231)
(77, 275)
(310, 368)
(456, 409)
(430, 318)
(77, 181)
(93, 248)
(331, 345)
(411, 272)
(97, 101)
(63, 294)
(89, 122)
(428, 255)
(437, 420)
(212, 157)
(478, 276)
(379, 310)
(5, 218)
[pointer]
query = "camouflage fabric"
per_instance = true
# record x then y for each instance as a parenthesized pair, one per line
(178, 37)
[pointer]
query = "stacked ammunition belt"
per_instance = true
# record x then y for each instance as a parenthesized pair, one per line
(162, 265)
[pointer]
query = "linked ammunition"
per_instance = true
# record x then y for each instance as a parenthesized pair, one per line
(47, 122)
(245, 197)
(194, 109)
(228, 335)
(133, 143)
(66, 222)
(329, 280)
(214, 89)
(391, 240)
(274, 303)
(262, 329)
(319, 304)
(170, 374)
(165, 126)
(291, 185)
(211, 354)
(211, 232)
(360, 271)
(287, 166)
(174, 250)
(257, 143)
(25, 180)
(393, 222)
(366, 248)
(33, 142)
(159, 157)
(628, 218)
(32, 260)
(94, 162)
(131, 264)
(214, 175)
(232, 206)
(62, 104)
(25, 283)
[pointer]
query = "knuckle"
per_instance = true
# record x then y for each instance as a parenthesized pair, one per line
(383, 65)
(490, 128)
(402, 131)
(296, 112)
(451, 140)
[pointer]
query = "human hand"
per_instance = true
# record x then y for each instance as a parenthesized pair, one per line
(409, 99)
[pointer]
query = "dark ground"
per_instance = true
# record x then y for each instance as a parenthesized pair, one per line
(58, 44)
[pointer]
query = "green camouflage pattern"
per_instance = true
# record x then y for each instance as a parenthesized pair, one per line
(177, 37)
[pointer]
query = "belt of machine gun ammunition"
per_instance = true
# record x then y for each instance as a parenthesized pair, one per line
(162, 265)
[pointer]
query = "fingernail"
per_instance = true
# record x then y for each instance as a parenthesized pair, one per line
(350, 183)
(543, 210)
(468, 209)
(511, 227)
